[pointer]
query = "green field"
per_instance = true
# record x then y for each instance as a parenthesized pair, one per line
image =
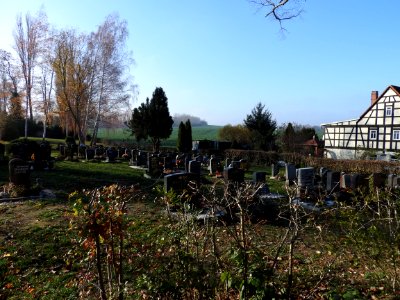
(209, 132)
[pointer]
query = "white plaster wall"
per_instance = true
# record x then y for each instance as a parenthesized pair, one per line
(336, 153)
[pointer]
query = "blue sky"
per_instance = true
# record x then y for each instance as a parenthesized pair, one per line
(216, 59)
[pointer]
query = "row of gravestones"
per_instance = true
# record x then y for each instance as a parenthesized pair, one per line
(165, 162)
(333, 181)
(215, 165)
(232, 173)
(37, 154)
(109, 154)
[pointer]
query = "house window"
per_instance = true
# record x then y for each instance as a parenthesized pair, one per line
(396, 134)
(389, 111)
(372, 134)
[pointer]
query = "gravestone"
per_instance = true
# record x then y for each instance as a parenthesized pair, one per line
(61, 149)
(332, 181)
(19, 172)
(154, 169)
(98, 152)
(2, 151)
(274, 170)
(167, 162)
(244, 164)
(179, 181)
(290, 174)
(214, 164)
(199, 158)
(195, 167)
(305, 178)
(134, 155)
(393, 181)
(82, 151)
(235, 175)
(42, 156)
(142, 158)
(345, 181)
(228, 161)
(127, 154)
(259, 177)
(111, 154)
(187, 160)
(89, 153)
(355, 181)
(378, 180)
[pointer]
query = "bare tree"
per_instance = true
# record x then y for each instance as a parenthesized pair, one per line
(28, 36)
(46, 81)
(281, 10)
(110, 83)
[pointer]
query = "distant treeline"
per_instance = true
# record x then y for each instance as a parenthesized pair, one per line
(195, 121)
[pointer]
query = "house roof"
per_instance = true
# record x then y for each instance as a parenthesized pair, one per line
(395, 88)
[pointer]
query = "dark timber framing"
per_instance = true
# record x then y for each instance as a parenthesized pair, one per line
(345, 139)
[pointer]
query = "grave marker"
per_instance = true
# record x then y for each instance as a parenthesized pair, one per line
(259, 177)
(274, 170)
(19, 171)
(179, 181)
(154, 166)
(290, 174)
(195, 167)
(332, 181)
(233, 175)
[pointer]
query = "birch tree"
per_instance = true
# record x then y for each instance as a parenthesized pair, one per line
(110, 85)
(29, 34)
(46, 82)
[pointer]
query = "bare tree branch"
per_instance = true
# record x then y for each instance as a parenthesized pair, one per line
(281, 10)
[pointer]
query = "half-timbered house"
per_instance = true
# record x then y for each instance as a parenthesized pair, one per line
(376, 130)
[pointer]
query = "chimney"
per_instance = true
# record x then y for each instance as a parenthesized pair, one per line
(374, 97)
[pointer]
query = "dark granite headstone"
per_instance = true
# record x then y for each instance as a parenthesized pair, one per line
(199, 158)
(235, 164)
(305, 177)
(345, 181)
(274, 170)
(142, 158)
(259, 177)
(61, 148)
(111, 154)
(233, 175)
(195, 167)
(19, 172)
(213, 167)
(332, 181)
(168, 164)
(99, 151)
(89, 153)
(179, 181)
(154, 169)
(290, 174)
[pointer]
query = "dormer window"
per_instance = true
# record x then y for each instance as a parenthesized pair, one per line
(389, 111)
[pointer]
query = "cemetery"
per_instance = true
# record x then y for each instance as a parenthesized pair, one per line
(213, 197)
